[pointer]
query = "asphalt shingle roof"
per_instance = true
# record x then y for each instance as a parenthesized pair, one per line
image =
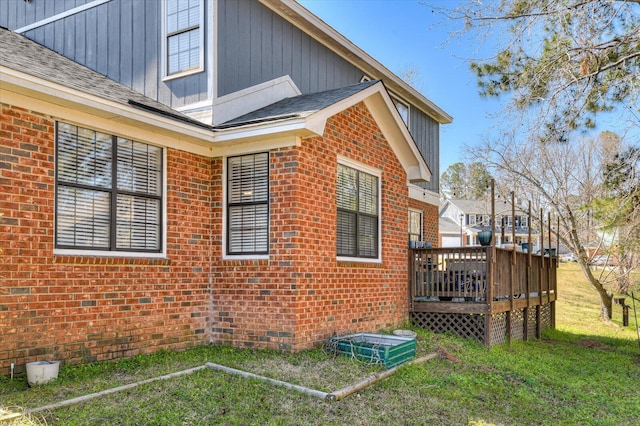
(22, 54)
(298, 105)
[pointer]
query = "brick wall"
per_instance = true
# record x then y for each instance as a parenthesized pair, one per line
(83, 308)
(430, 220)
(302, 294)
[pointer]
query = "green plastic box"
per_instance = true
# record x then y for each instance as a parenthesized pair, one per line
(384, 349)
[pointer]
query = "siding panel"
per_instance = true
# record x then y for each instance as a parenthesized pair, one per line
(138, 48)
(256, 45)
(152, 49)
(126, 43)
(112, 41)
(91, 38)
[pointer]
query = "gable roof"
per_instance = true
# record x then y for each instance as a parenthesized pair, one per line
(306, 115)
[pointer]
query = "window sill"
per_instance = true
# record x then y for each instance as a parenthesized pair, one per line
(245, 257)
(358, 261)
(104, 260)
(184, 73)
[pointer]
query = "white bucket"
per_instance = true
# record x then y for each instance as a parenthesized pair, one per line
(42, 371)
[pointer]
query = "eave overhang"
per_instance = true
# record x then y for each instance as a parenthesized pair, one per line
(128, 120)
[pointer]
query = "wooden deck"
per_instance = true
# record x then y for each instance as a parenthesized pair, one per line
(487, 293)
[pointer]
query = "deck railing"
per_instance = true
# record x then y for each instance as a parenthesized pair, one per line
(479, 275)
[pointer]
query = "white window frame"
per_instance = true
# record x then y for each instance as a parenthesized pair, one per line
(225, 214)
(164, 60)
(374, 172)
(162, 254)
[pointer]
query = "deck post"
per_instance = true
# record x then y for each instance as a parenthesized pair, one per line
(528, 279)
(512, 270)
(541, 278)
(491, 259)
(491, 265)
(412, 278)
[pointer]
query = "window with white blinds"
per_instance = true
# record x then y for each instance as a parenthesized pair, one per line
(183, 35)
(248, 204)
(358, 205)
(108, 192)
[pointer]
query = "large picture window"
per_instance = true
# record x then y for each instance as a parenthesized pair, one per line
(183, 35)
(248, 204)
(108, 192)
(357, 199)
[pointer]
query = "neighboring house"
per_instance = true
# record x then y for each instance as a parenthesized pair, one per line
(219, 171)
(461, 220)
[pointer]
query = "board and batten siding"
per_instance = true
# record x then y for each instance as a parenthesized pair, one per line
(257, 45)
(426, 133)
(121, 39)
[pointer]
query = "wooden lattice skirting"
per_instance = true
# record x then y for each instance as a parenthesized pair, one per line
(473, 326)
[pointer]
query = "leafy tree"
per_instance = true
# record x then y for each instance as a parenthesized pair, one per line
(565, 60)
(466, 182)
(566, 179)
(619, 212)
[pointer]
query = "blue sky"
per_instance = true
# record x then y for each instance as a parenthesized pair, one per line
(405, 34)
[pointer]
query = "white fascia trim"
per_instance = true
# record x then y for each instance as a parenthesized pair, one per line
(32, 83)
(424, 195)
(262, 130)
(61, 15)
(258, 145)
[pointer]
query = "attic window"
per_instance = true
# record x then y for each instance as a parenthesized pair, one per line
(403, 109)
(184, 41)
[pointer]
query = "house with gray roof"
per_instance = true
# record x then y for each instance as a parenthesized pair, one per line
(185, 172)
(462, 220)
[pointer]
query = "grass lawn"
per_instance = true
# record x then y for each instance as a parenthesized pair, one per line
(582, 373)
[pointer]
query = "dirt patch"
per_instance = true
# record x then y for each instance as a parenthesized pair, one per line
(591, 344)
(446, 355)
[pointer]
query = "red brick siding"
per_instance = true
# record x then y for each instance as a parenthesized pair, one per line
(82, 308)
(429, 221)
(302, 294)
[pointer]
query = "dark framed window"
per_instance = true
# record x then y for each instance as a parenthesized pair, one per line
(357, 199)
(108, 192)
(183, 35)
(415, 225)
(248, 204)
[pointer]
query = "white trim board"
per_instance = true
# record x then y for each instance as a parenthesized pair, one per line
(61, 15)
